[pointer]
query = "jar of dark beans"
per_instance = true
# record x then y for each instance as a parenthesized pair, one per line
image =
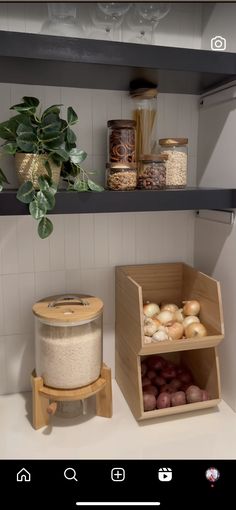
(121, 144)
(121, 176)
(152, 171)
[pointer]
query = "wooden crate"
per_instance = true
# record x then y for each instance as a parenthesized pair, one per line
(203, 363)
(171, 283)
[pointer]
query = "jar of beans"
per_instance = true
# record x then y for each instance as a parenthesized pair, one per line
(121, 177)
(176, 168)
(121, 141)
(152, 171)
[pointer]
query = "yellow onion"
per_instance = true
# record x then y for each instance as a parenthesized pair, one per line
(165, 317)
(178, 315)
(149, 327)
(195, 329)
(147, 339)
(160, 336)
(150, 309)
(170, 307)
(175, 331)
(189, 320)
(191, 307)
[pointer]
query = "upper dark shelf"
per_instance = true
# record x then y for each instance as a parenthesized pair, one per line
(128, 201)
(71, 62)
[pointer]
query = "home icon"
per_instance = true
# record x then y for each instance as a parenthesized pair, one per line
(23, 476)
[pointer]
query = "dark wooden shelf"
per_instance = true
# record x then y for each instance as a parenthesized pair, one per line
(71, 62)
(128, 201)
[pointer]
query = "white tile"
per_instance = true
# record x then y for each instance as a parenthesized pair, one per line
(73, 281)
(41, 249)
(26, 301)
(35, 14)
(2, 318)
(129, 249)
(101, 240)
(100, 282)
(113, 104)
(86, 240)
(99, 119)
(81, 101)
(19, 362)
(49, 283)
(57, 243)
(8, 244)
(3, 17)
(11, 303)
(16, 17)
(3, 380)
(121, 235)
(25, 226)
(72, 253)
(99, 169)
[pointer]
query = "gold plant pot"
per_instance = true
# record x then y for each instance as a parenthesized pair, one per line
(30, 166)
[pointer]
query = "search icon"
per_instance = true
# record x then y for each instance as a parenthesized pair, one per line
(70, 474)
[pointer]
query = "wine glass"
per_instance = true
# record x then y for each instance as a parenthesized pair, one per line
(153, 13)
(138, 25)
(106, 17)
(61, 20)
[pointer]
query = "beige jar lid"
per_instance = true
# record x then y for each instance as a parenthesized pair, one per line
(173, 141)
(68, 308)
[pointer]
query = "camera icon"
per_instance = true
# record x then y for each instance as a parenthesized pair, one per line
(218, 43)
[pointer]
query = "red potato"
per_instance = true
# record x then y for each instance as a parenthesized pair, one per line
(149, 402)
(184, 387)
(178, 398)
(175, 384)
(151, 374)
(168, 373)
(143, 368)
(193, 394)
(166, 388)
(156, 362)
(159, 381)
(151, 389)
(145, 381)
(186, 377)
(205, 395)
(163, 401)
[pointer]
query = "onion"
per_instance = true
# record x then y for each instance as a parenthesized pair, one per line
(165, 317)
(178, 315)
(155, 362)
(151, 389)
(175, 331)
(149, 402)
(178, 398)
(168, 373)
(159, 381)
(160, 336)
(175, 383)
(167, 388)
(150, 309)
(189, 320)
(151, 374)
(149, 327)
(170, 307)
(195, 329)
(193, 394)
(146, 381)
(147, 339)
(191, 307)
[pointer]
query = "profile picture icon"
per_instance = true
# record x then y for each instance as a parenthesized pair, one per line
(218, 43)
(212, 475)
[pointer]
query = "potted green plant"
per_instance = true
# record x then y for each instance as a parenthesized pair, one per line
(44, 147)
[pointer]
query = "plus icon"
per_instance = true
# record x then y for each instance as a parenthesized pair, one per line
(118, 474)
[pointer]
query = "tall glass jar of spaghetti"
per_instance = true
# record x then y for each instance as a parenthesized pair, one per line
(121, 144)
(145, 115)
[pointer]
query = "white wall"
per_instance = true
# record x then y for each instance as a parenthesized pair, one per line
(83, 250)
(219, 19)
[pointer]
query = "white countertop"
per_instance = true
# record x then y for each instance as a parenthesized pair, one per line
(209, 434)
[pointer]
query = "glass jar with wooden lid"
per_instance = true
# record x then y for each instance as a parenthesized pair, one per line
(121, 176)
(145, 115)
(176, 166)
(68, 335)
(121, 144)
(152, 171)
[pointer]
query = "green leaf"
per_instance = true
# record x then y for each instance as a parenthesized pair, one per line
(26, 192)
(55, 143)
(53, 127)
(50, 118)
(46, 199)
(72, 117)
(10, 148)
(80, 185)
(94, 187)
(9, 127)
(36, 211)
(26, 146)
(55, 108)
(43, 183)
(31, 101)
(62, 153)
(70, 136)
(53, 188)
(45, 227)
(29, 105)
(1, 187)
(3, 177)
(77, 156)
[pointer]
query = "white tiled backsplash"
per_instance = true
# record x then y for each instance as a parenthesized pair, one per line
(82, 252)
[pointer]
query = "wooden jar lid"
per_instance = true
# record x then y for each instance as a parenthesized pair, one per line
(68, 308)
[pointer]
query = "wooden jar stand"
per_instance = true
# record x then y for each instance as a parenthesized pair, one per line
(45, 399)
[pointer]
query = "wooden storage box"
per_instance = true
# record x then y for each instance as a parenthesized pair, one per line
(169, 283)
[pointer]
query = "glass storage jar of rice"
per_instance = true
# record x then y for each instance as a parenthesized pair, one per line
(68, 334)
(176, 166)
